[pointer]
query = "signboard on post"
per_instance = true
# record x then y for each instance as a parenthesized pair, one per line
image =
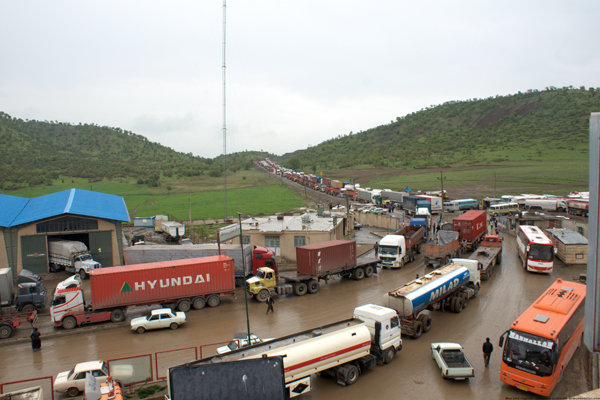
(228, 232)
(591, 334)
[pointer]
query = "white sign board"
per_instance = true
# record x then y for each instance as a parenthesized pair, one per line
(229, 232)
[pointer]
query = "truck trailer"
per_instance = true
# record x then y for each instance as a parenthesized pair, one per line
(400, 248)
(72, 256)
(488, 255)
(193, 282)
(342, 350)
(438, 252)
(471, 226)
(446, 288)
(314, 262)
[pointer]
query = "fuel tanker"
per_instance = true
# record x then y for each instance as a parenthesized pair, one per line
(446, 288)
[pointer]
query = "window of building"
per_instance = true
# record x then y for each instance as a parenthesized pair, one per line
(272, 241)
(245, 239)
(67, 224)
(299, 241)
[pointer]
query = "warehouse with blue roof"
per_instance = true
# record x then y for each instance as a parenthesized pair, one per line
(90, 217)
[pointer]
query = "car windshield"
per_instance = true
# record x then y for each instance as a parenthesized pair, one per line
(388, 250)
(529, 353)
(541, 252)
(233, 345)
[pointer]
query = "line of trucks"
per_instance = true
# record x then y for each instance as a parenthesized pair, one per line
(19, 300)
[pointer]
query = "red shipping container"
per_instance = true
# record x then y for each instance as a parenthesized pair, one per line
(470, 225)
(321, 258)
(160, 282)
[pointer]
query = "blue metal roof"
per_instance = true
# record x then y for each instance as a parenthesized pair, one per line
(72, 201)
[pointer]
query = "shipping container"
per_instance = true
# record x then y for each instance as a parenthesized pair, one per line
(315, 259)
(161, 282)
(471, 226)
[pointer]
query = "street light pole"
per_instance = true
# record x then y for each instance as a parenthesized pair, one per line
(244, 269)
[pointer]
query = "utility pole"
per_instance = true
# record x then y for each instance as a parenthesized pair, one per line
(441, 178)
(224, 112)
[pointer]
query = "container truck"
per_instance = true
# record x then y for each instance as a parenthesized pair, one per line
(446, 288)
(314, 262)
(438, 252)
(471, 226)
(547, 204)
(193, 282)
(394, 197)
(71, 255)
(410, 204)
(364, 196)
(435, 203)
(394, 251)
(253, 257)
(342, 350)
(19, 306)
(488, 254)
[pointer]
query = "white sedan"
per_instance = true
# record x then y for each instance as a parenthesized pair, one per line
(158, 319)
(73, 382)
(239, 341)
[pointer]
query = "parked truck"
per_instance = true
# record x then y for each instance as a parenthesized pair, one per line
(253, 257)
(579, 207)
(182, 284)
(488, 254)
(471, 226)
(411, 204)
(342, 350)
(400, 248)
(439, 251)
(71, 255)
(314, 262)
(446, 288)
(19, 305)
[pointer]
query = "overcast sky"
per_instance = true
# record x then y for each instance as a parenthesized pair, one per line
(298, 72)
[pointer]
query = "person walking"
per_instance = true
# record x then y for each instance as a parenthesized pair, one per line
(487, 351)
(270, 302)
(36, 341)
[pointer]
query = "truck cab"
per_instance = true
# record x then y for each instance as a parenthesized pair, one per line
(384, 326)
(83, 263)
(474, 267)
(29, 294)
(391, 250)
(262, 283)
(65, 302)
(263, 257)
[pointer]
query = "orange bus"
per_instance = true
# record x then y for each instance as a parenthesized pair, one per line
(540, 343)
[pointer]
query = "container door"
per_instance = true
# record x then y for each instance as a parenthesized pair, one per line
(34, 254)
(101, 248)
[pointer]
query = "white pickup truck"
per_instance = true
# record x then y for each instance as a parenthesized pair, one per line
(452, 361)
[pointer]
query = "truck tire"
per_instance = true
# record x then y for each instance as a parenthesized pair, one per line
(453, 304)
(6, 331)
(499, 258)
(82, 274)
(426, 322)
(213, 300)
(418, 330)
(72, 392)
(117, 315)
(69, 322)
(300, 288)
(351, 374)
(388, 355)
(369, 271)
(27, 308)
(184, 305)
(459, 305)
(262, 295)
(358, 274)
(198, 303)
(313, 286)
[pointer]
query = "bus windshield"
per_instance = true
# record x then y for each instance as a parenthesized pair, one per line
(542, 252)
(529, 353)
(388, 250)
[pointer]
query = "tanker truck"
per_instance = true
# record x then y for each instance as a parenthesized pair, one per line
(342, 350)
(182, 284)
(446, 288)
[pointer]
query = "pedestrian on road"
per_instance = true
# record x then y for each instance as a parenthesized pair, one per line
(487, 351)
(270, 302)
(36, 341)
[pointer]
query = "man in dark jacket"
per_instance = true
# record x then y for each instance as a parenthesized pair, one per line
(487, 351)
(270, 302)
(36, 341)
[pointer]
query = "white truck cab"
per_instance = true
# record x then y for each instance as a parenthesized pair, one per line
(389, 331)
(474, 269)
(390, 250)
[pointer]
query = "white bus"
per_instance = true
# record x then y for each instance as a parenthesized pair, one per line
(503, 208)
(535, 249)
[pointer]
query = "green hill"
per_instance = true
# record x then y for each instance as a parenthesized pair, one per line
(533, 126)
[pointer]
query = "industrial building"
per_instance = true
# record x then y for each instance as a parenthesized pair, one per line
(93, 218)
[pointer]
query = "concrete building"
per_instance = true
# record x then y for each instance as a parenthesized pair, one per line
(283, 233)
(26, 225)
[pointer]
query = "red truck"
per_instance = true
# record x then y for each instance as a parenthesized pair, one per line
(193, 282)
(439, 252)
(471, 226)
(489, 254)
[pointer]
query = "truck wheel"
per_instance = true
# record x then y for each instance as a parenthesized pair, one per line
(82, 274)
(369, 271)
(499, 258)
(313, 286)
(352, 374)
(262, 295)
(418, 330)
(117, 315)
(6, 331)
(453, 304)
(173, 326)
(459, 305)
(388, 355)
(184, 305)
(27, 308)
(358, 274)
(300, 288)
(198, 303)
(426, 321)
(69, 322)
(213, 300)
(72, 392)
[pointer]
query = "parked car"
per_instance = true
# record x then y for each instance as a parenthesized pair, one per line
(452, 361)
(357, 225)
(239, 340)
(158, 319)
(73, 382)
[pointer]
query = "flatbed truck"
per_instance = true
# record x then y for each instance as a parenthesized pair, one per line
(488, 254)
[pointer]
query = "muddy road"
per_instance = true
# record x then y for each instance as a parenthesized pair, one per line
(413, 374)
